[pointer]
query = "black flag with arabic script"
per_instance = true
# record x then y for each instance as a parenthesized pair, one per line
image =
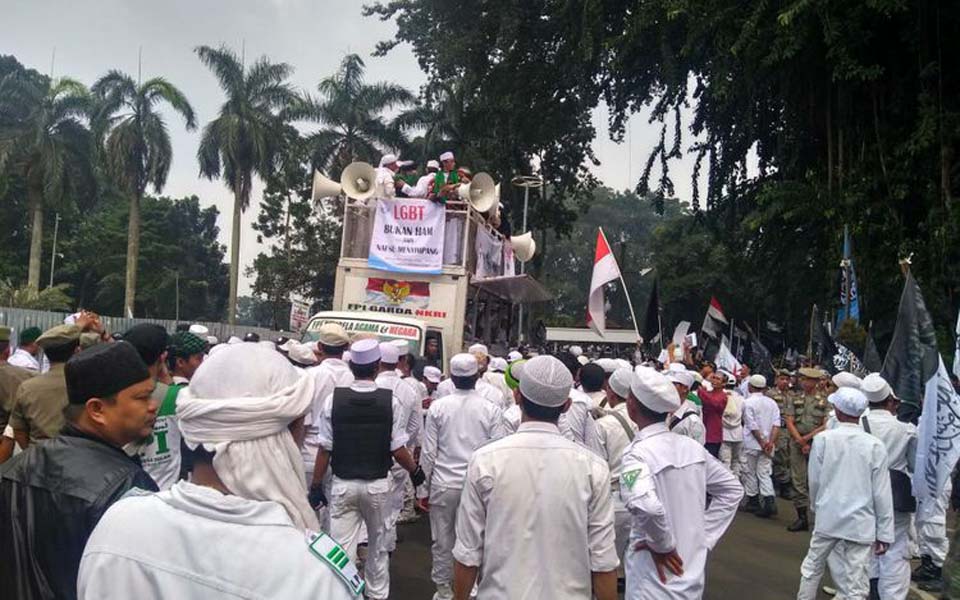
(914, 369)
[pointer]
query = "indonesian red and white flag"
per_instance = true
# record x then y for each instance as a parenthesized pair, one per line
(715, 316)
(605, 270)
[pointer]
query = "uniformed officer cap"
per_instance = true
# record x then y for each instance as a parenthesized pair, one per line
(57, 336)
(811, 373)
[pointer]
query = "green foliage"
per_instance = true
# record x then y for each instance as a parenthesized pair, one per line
(51, 298)
(177, 236)
(304, 241)
(350, 111)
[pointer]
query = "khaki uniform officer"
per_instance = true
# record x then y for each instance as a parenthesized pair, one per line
(782, 395)
(10, 379)
(805, 417)
(38, 410)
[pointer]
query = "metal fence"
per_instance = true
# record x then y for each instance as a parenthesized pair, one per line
(21, 318)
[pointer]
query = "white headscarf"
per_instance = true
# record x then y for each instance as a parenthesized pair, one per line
(238, 405)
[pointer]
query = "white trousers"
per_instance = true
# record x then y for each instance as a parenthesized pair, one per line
(756, 473)
(893, 568)
(932, 533)
(355, 502)
(730, 456)
(397, 476)
(852, 580)
(444, 503)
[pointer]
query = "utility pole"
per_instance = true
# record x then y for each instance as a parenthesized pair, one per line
(53, 253)
(526, 182)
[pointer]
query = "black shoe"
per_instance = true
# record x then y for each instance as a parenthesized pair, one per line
(926, 571)
(750, 504)
(933, 585)
(786, 491)
(621, 584)
(801, 524)
(768, 507)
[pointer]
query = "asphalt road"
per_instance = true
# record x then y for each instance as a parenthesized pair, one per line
(757, 559)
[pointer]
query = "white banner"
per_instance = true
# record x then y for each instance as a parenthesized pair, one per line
(489, 254)
(299, 313)
(407, 236)
(938, 441)
(725, 359)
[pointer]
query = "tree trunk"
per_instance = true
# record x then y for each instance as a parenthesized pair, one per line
(238, 202)
(36, 240)
(133, 254)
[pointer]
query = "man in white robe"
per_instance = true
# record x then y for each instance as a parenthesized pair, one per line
(242, 527)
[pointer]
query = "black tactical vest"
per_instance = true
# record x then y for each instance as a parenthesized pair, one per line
(362, 424)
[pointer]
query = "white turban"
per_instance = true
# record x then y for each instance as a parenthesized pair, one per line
(239, 404)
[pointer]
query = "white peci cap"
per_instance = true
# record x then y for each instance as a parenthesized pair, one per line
(576, 350)
(432, 164)
(432, 374)
(546, 381)
(498, 365)
(199, 330)
(607, 364)
(876, 388)
(212, 340)
(446, 156)
(463, 365)
(757, 381)
(620, 382)
(478, 349)
(389, 353)
(365, 352)
(302, 355)
(514, 356)
(403, 347)
(850, 401)
(654, 390)
(844, 379)
(388, 159)
(680, 375)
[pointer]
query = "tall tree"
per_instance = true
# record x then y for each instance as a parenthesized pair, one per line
(136, 147)
(351, 111)
(247, 135)
(49, 145)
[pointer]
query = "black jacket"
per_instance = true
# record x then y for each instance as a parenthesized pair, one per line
(51, 497)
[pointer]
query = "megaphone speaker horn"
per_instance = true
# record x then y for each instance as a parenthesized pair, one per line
(358, 180)
(524, 246)
(480, 193)
(323, 187)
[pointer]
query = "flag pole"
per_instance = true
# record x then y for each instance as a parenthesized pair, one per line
(626, 293)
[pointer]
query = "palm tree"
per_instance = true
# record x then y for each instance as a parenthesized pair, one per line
(246, 136)
(440, 119)
(49, 145)
(350, 109)
(136, 146)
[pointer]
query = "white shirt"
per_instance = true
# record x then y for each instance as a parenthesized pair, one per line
(23, 359)
(385, 186)
(665, 482)
(733, 418)
(511, 419)
(596, 398)
(578, 426)
(410, 403)
(498, 381)
(423, 187)
(850, 485)
(760, 413)
(194, 543)
(446, 387)
(899, 438)
(614, 438)
(456, 425)
(398, 435)
(536, 515)
(328, 375)
(691, 426)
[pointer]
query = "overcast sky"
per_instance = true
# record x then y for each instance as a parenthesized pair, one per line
(92, 36)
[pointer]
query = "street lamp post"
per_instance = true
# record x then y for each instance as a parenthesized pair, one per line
(526, 182)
